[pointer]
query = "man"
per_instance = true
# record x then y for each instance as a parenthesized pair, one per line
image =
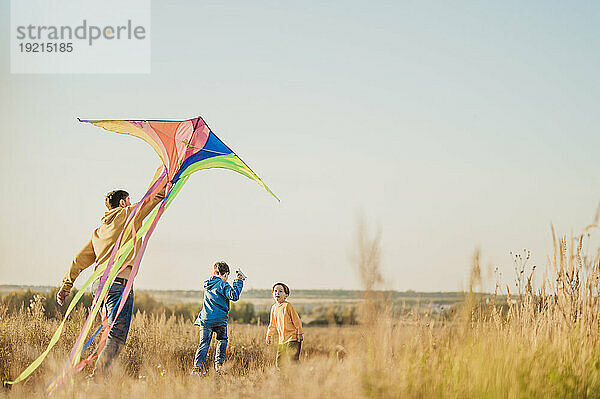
(98, 250)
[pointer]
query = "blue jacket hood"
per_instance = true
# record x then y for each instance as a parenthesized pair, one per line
(211, 282)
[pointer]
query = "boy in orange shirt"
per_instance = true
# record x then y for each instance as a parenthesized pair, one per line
(286, 321)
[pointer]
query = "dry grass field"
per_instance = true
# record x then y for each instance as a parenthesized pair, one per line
(545, 343)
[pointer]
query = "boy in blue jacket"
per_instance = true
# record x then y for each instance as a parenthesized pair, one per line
(214, 314)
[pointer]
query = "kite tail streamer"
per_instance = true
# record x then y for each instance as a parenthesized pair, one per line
(148, 196)
(61, 378)
(171, 193)
(34, 365)
(102, 289)
(138, 258)
(109, 275)
(122, 254)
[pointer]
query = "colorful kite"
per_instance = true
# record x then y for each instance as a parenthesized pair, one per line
(184, 147)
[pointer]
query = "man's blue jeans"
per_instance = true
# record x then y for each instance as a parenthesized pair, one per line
(118, 334)
(206, 333)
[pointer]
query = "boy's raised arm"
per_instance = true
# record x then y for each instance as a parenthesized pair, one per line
(233, 293)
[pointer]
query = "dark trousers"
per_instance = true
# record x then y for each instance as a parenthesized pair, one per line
(206, 334)
(287, 353)
(118, 334)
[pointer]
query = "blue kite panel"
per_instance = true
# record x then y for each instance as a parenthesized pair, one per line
(215, 144)
(213, 147)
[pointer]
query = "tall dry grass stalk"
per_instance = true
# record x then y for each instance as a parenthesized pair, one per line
(376, 322)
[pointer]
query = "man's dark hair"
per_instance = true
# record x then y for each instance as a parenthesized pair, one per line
(286, 289)
(221, 268)
(113, 198)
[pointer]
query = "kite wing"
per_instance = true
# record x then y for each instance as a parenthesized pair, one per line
(183, 146)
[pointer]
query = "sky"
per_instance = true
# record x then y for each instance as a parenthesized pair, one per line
(445, 126)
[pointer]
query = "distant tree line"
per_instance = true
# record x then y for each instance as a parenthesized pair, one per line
(241, 312)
